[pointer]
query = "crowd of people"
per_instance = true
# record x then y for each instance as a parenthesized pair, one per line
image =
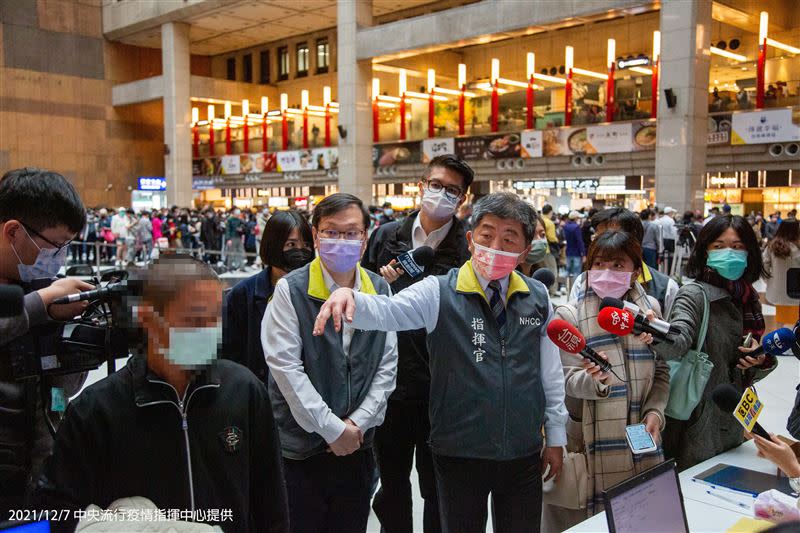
(283, 403)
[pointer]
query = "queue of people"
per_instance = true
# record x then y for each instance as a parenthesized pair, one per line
(284, 403)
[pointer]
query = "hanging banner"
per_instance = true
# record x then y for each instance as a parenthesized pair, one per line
(435, 147)
(600, 139)
(644, 135)
(488, 147)
(230, 165)
(531, 143)
(388, 154)
(719, 129)
(326, 158)
(766, 126)
(288, 161)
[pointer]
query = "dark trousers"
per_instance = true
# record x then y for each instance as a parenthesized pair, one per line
(329, 494)
(405, 430)
(650, 256)
(465, 484)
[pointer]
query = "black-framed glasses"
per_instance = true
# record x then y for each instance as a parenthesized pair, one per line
(352, 235)
(452, 192)
(30, 230)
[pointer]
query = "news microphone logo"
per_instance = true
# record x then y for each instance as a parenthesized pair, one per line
(778, 341)
(409, 265)
(748, 409)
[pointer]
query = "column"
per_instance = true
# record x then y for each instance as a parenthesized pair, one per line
(355, 104)
(683, 129)
(177, 113)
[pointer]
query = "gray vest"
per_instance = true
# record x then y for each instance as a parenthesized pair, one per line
(343, 381)
(487, 400)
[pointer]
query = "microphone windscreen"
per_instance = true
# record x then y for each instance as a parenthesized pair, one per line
(545, 276)
(778, 341)
(616, 321)
(423, 256)
(726, 396)
(610, 301)
(12, 301)
(565, 336)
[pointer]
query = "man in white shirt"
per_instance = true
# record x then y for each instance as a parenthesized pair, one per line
(119, 227)
(403, 437)
(669, 235)
(496, 378)
(328, 392)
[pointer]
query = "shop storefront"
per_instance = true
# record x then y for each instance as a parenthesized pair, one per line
(150, 193)
(754, 191)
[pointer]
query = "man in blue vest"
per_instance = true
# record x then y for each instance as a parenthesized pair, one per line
(330, 391)
(496, 379)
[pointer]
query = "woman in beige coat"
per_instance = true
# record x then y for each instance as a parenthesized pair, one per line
(602, 404)
(782, 254)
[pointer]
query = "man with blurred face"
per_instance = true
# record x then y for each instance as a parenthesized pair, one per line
(496, 379)
(328, 392)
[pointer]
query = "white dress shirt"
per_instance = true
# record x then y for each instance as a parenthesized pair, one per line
(434, 239)
(283, 348)
(417, 307)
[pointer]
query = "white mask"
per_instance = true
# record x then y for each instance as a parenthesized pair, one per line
(438, 206)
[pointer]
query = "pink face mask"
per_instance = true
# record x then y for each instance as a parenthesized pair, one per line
(493, 264)
(610, 282)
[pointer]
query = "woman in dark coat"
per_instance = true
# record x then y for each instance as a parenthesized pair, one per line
(725, 262)
(285, 246)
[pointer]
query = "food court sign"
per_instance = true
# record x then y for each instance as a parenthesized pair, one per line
(767, 126)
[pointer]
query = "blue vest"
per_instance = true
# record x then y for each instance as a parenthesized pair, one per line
(487, 400)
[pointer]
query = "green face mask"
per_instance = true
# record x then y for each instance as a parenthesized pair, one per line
(192, 348)
(729, 263)
(539, 250)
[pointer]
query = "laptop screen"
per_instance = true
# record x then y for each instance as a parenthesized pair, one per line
(651, 501)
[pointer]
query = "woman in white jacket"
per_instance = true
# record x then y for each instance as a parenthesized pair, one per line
(782, 254)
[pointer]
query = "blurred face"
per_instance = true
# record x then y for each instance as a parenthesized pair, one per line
(728, 239)
(499, 234)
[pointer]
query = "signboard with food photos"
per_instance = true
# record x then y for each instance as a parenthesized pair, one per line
(399, 153)
(496, 146)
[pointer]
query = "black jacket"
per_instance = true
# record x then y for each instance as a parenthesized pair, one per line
(243, 310)
(126, 436)
(385, 244)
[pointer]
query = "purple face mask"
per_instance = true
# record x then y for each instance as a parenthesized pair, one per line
(340, 255)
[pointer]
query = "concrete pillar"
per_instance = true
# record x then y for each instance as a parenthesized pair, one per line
(175, 57)
(355, 104)
(683, 130)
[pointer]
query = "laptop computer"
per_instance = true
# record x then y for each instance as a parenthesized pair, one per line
(651, 501)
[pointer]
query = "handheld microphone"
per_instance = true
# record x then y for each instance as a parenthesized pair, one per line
(94, 294)
(415, 261)
(12, 301)
(659, 329)
(727, 397)
(568, 338)
(545, 276)
(617, 321)
(775, 343)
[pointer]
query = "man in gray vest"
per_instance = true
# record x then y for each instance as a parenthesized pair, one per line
(329, 391)
(496, 379)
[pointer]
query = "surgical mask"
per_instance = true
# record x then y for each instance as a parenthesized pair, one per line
(729, 263)
(48, 262)
(610, 282)
(190, 348)
(539, 250)
(340, 255)
(493, 264)
(388, 212)
(295, 258)
(438, 205)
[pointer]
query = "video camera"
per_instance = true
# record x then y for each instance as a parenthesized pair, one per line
(99, 335)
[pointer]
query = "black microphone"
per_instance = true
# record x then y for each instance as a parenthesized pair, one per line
(727, 398)
(659, 329)
(796, 345)
(545, 276)
(94, 294)
(12, 301)
(414, 262)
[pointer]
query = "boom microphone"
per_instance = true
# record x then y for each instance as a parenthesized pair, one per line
(568, 338)
(94, 294)
(622, 322)
(646, 324)
(12, 301)
(415, 261)
(545, 276)
(727, 397)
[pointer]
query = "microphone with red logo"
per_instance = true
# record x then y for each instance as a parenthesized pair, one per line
(623, 322)
(568, 338)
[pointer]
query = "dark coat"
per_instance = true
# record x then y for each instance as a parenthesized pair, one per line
(385, 244)
(128, 435)
(242, 312)
(708, 431)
